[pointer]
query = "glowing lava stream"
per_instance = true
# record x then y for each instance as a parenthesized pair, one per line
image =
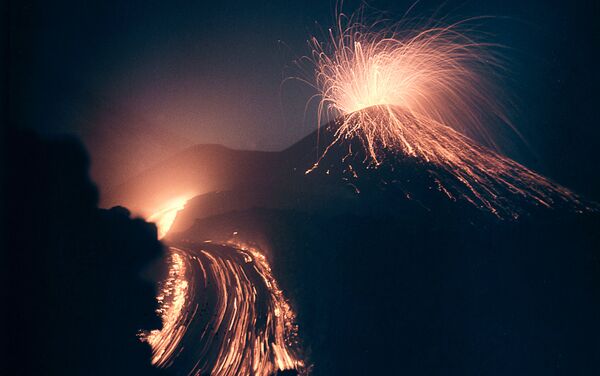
(222, 311)
(223, 314)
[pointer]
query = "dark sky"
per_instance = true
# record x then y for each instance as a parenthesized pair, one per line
(139, 80)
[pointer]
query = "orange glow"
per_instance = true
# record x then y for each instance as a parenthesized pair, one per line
(165, 217)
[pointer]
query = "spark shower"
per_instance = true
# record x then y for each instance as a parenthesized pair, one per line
(425, 91)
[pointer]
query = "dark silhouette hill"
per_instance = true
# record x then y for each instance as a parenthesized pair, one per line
(73, 296)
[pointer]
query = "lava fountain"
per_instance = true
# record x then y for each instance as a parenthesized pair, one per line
(426, 94)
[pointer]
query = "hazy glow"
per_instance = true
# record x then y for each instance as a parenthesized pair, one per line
(165, 217)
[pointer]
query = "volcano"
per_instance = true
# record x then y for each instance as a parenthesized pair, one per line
(434, 163)
(388, 267)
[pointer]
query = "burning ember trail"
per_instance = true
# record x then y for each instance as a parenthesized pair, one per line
(422, 94)
(223, 314)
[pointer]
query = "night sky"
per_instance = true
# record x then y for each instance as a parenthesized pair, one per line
(141, 80)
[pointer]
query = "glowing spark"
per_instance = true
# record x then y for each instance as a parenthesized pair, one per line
(419, 94)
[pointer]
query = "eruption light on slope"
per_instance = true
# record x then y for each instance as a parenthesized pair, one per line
(164, 218)
(422, 94)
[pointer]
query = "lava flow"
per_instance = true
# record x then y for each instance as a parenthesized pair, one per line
(222, 311)
(223, 314)
(423, 94)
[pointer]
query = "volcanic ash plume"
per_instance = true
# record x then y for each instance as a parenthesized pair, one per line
(423, 94)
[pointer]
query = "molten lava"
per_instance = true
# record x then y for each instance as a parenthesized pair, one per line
(223, 314)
